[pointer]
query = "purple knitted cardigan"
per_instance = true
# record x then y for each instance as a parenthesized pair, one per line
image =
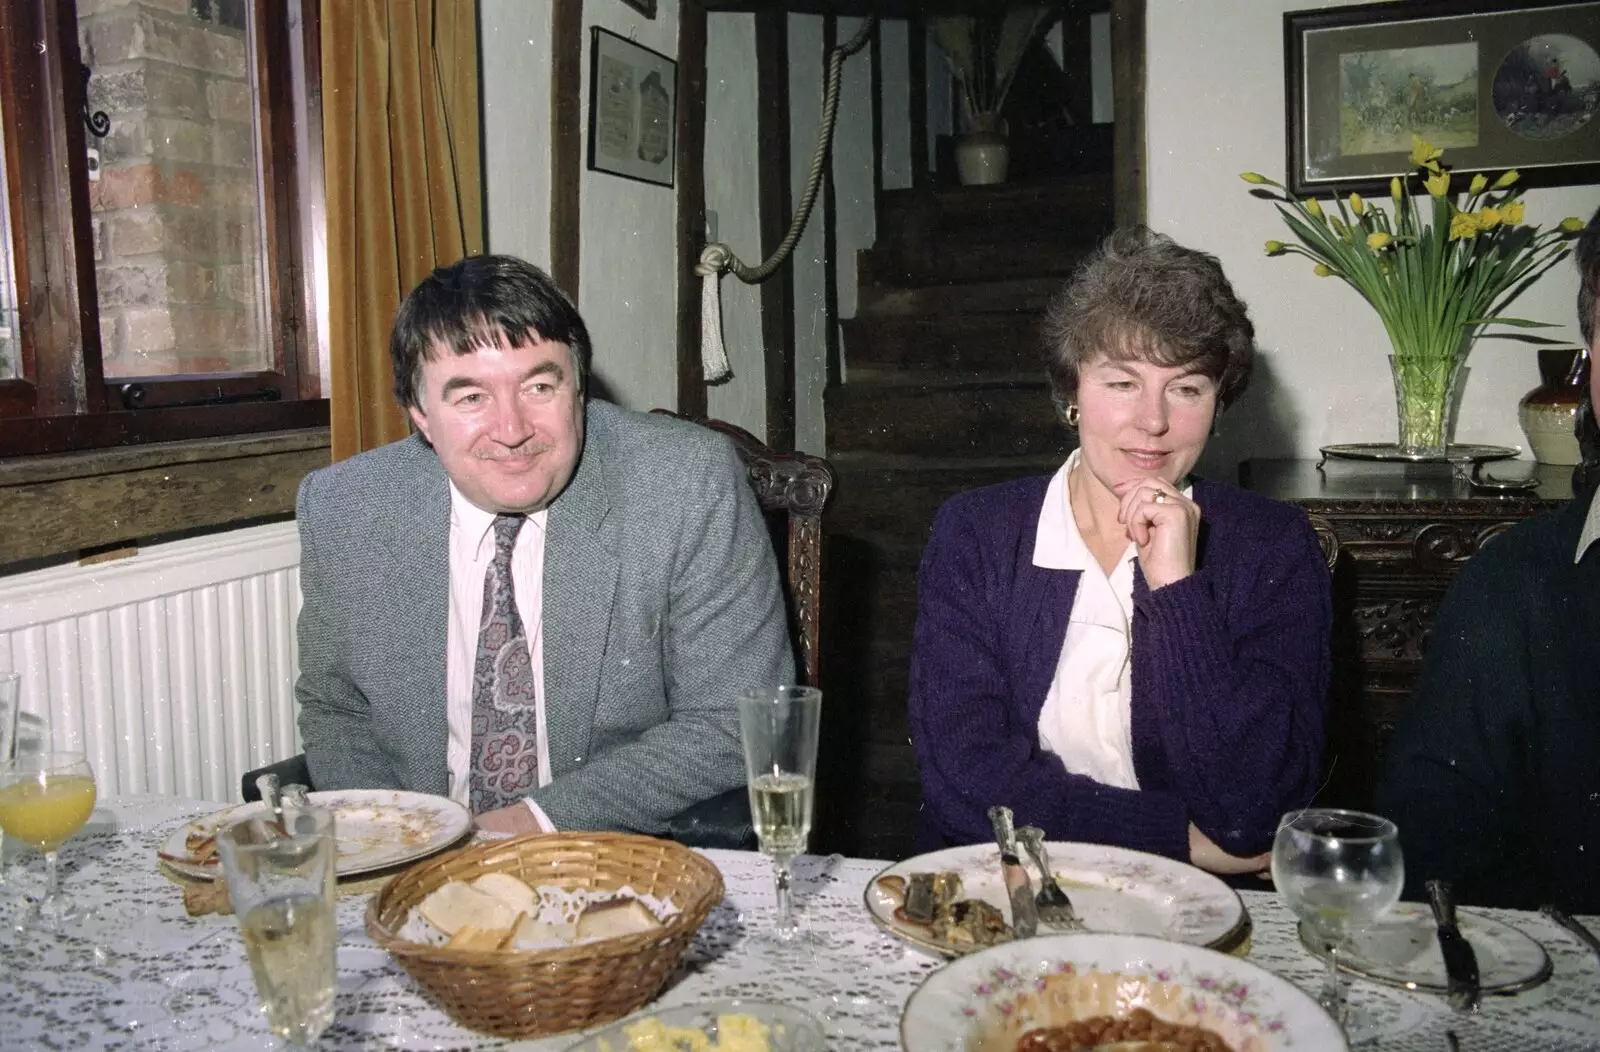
(1230, 679)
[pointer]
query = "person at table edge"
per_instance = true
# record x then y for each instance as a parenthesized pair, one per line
(1493, 772)
(1120, 652)
(540, 604)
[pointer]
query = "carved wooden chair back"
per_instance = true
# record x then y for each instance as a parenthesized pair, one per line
(792, 489)
(1327, 539)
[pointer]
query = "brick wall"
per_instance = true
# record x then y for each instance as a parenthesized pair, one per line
(177, 222)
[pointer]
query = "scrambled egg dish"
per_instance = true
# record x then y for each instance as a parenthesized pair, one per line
(735, 1033)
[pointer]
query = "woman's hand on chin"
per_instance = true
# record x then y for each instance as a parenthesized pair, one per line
(1163, 524)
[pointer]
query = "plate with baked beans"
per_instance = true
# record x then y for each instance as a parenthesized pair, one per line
(1131, 993)
(954, 902)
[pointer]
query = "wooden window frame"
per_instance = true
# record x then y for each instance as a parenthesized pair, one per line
(63, 401)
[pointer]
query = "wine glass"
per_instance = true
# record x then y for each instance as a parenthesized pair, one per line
(779, 727)
(45, 797)
(1338, 871)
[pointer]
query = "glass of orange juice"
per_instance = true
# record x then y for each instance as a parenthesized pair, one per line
(46, 797)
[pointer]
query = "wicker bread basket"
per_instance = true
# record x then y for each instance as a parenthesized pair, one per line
(530, 993)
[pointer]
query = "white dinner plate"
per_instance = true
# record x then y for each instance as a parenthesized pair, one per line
(984, 1001)
(1113, 889)
(375, 828)
(1402, 949)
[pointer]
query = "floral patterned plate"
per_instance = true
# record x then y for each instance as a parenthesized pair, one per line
(1113, 889)
(375, 828)
(986, 1000)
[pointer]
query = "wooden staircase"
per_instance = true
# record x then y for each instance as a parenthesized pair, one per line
(944, 391)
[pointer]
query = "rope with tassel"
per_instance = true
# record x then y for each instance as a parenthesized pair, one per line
(717, 258)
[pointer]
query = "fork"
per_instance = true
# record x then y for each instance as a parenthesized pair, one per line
(1053, 905)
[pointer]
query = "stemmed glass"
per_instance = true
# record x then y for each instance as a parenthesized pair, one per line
(46, 797)
(779, 727)
(1338, 871)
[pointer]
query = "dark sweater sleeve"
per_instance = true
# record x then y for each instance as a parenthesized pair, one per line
(1452, 777)
(973, 748)
(1239, 692)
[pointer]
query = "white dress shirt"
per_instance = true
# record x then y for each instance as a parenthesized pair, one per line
(471, 554)
(1086, 715)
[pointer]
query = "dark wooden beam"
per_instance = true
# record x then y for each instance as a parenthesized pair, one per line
(691, 187)
(1127, 91)
(917, 51)
(833, 365)
(856, 8)
(773, 192)
(566, 140)
(876, 92)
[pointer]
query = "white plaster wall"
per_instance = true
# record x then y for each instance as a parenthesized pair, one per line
(628, 288)
(732, 192)
(854, 191)
(515, 92)
(810, 313)
(1215, 108)
(894, 37)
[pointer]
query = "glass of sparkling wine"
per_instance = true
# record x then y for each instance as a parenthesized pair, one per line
(1339, 872)
(45, 797)
(779, 727)
(281, 884)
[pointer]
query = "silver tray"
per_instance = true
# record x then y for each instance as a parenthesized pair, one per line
(1455, 453)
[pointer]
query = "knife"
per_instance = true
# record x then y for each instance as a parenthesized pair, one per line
(1024, 915)
(1581, 933)
(1460, 963)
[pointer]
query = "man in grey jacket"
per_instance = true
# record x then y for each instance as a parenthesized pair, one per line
(542, 605)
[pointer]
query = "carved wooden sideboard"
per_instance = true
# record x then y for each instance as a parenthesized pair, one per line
(1401, 532)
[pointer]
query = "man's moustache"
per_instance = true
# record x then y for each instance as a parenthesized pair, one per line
(521, 451)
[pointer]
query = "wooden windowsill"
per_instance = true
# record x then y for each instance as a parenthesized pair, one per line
(60, 505)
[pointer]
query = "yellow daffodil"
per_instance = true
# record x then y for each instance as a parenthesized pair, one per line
(1572, 224)
(1274, 247)
(1438, 183)
(1394, 189)
(1358, 206)
(1314, 208)
(1424, 154)
(1338, 226)
(1506, 180)
(1378, 239)
(1253, 177)
(1321, 270)
(1511, 213)
(1477, 184)
(1463, 225)
(1488, 218)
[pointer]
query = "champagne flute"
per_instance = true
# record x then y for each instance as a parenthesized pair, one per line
(45, 797)
(779, 728)
(1338, 871)
(281, 880)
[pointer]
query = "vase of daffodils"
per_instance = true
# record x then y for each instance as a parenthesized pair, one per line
(1437, 273)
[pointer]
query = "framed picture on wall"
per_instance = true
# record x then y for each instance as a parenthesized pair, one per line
(633, 102)
(647, 8)
(1496, 84)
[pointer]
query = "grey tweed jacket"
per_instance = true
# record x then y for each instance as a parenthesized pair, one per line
(661, 604)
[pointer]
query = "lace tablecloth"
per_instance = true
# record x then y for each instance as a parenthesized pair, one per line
(143, 975)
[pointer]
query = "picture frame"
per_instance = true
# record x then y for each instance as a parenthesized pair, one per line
(633, 109)
(647, 8)
(1495, 84)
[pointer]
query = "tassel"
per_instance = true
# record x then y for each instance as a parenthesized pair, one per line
(713, 355)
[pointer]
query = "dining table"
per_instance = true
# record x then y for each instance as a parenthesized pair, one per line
(135, 971)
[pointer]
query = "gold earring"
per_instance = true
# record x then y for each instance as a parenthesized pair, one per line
(1072, 416)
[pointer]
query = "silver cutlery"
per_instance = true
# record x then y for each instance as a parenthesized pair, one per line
(1024, 914)
(1460, 963)
(1053, 906)
(1573, 925)
(1451, 1041)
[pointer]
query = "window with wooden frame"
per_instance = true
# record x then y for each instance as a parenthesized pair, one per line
(151, 282)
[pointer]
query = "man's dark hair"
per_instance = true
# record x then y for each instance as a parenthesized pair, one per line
(476, 302)
(1587, 473)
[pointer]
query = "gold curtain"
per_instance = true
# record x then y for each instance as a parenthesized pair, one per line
(402, 177)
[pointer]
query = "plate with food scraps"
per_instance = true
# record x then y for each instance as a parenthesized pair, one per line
(958, 900)
(1111, 991)
(375, 828)
(717, 1026)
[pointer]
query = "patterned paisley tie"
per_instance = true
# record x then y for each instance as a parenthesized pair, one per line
(505, 734)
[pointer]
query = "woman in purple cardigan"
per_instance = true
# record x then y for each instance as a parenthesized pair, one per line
(1119, 652)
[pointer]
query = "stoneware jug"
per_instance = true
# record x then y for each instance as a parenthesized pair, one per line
(1549, 412)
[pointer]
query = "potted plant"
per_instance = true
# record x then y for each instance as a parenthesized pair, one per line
(983, 54)
(1437, 275)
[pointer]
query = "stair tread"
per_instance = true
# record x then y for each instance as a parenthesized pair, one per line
(862, 460)
(865, 381)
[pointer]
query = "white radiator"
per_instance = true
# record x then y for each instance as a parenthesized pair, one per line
(173, 669)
